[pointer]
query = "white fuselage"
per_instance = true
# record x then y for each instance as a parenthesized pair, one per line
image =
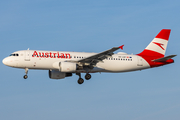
(47, 60)
(63, 64)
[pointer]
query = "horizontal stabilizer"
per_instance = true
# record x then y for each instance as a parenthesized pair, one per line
(164, 58)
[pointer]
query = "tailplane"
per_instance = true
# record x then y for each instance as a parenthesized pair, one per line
(164, 59)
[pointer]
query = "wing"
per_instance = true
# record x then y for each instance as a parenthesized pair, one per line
(99, 57)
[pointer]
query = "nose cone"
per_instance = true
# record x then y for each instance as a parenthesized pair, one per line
(4, 61)
(9, 61)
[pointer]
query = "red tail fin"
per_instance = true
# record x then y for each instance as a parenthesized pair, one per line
(157, 47)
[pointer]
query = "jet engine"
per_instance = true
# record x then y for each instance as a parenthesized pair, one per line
(56, 74)
(67, 67)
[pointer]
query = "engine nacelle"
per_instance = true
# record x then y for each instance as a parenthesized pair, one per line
(67, 67)
(55, 74)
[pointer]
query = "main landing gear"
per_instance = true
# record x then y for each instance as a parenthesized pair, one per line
(80, 80)
(87, 76)
(26, 71)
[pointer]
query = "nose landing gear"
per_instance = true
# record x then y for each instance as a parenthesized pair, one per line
(26, 71)
(25, 76)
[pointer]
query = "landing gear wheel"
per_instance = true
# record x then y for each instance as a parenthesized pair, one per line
(80, 81)
(25, 76)
(87, 76)
(26, 71)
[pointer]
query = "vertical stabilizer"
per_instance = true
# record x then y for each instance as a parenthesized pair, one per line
(158, 45)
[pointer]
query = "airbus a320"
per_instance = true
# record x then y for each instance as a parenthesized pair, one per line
(63, 64)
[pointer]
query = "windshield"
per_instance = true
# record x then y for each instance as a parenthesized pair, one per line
(14, 54)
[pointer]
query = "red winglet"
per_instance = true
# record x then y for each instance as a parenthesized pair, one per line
(121, 47)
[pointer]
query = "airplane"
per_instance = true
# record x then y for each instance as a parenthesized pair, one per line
(63, 64)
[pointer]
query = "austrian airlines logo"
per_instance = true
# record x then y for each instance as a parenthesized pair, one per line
(51, 55)
(159, 44)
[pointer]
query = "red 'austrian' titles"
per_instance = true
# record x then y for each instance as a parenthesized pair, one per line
(51, 55)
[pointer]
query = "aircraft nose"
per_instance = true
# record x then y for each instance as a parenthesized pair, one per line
(5, 61)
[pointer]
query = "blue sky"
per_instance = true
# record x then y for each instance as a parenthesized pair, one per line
(89, 26)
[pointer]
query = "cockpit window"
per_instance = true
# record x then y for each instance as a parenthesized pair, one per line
(14, 54)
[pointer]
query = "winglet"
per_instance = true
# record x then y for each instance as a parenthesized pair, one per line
(121, 47)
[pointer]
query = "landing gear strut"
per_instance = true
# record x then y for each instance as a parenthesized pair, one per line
(87, 76)
(26, 71)
(80, 80)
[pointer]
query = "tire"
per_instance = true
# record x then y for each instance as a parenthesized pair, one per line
(87, 76)
(80, 81)
(25, 76)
